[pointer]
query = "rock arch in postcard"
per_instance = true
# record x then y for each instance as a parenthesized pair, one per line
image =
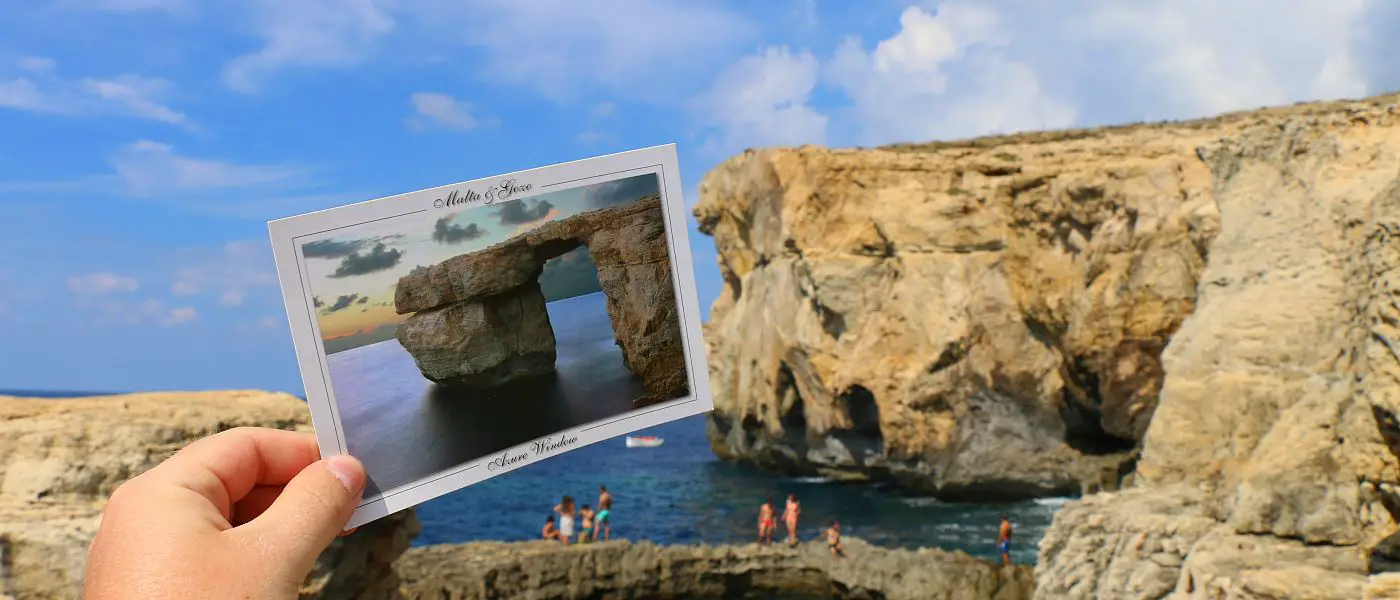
(479, 320)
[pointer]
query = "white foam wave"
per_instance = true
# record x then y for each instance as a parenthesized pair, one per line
(921, 501)
(1052, 502)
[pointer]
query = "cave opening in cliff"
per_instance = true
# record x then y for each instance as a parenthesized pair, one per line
(790, 402)
(1083, 419)
(864, 414)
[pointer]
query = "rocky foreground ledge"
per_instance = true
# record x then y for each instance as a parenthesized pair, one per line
(61, 458)
(619, 569)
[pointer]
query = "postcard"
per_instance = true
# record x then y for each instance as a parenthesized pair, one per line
(454, 334)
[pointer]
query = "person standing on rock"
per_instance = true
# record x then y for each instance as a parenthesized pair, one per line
(790, 513)
(833, 540)
(604, 522)
(1004, 540)
(585, 533)
(565, 509)
(765, 523)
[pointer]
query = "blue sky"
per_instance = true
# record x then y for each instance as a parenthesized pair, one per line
(147, 142)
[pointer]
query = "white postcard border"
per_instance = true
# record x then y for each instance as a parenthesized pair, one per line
(310, 353)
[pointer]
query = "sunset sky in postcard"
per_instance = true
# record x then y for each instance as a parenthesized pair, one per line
(353, 273)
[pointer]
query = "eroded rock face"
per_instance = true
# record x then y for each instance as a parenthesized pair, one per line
(1275, 436)
(617, 570)
(465, 307)
(974, 319)
(507, 337)
(61, 459)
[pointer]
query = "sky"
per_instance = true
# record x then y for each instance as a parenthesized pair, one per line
(353, 273)
(146, 143)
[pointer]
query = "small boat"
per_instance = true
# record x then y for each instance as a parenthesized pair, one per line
(643, 441)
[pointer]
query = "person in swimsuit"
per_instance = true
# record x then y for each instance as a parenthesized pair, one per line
(604, 522)
(1004, 540)
(765, 523)
(833, 539)
(790, 513)
(550, 532)
(566, 517)
(585, 533)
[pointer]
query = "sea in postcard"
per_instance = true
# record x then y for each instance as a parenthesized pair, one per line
(677, 493)
(405, 428)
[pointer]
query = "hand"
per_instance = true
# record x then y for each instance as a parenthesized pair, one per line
(240, 514)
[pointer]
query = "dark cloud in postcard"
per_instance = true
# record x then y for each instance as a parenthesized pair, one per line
(329, 248)
(316, 300)
(446, 233)
(521, 212)
(342, 303)
(621, 191)
(379, 258)
(333, 248)
(362, 300)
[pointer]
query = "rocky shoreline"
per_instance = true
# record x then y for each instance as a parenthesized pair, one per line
(619, 569)
(1196, 325)
(63, 457)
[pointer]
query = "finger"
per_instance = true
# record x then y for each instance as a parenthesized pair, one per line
(254, 503)
(349, 531)
(224, 467)
(309, 513)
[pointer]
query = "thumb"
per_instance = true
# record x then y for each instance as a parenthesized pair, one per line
(310, 512)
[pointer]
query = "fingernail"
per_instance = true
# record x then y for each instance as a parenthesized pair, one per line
(347, 470)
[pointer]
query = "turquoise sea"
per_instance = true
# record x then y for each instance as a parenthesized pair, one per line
(680, 494)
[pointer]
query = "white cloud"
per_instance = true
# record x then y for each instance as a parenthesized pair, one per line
(1205, 57)
(308, 33)
(158, 173)
(943, 75)
(440, 110)
(117, 310)
(762, 100)
(36, 63)
(260, 324)
(148, 168)
(42, 90)
(95, 284)
(134, 95)
(560, 48)
(231, 272)
(231, 298)
(805, 12)
(600, 115)
(177, 316)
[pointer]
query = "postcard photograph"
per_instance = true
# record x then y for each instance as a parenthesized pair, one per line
(450, 336)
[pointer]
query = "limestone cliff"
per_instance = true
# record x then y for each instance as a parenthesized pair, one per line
(61, 459)
(974, 319)
(619, 570)
(1274, 442)
(1199, 312)
(479, 319)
